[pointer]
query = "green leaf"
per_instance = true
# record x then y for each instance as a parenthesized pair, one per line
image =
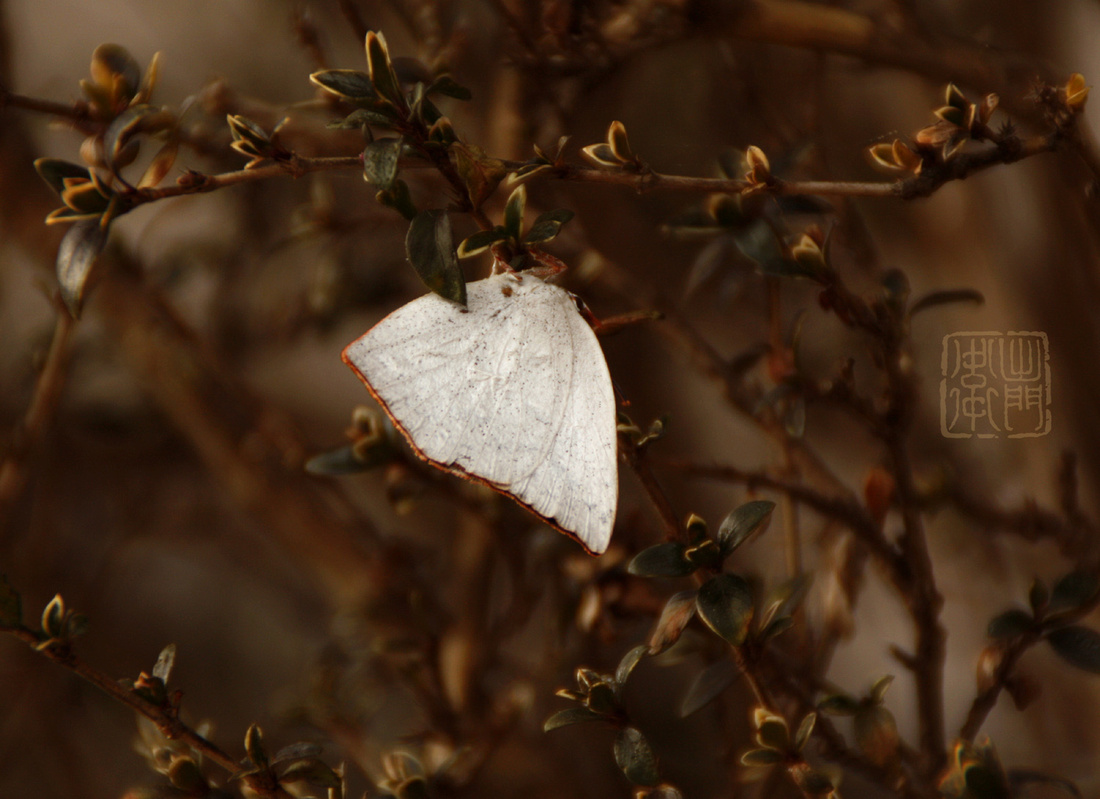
(85, 198)
(131, 122)
(703, 554)
(431, 252)
(1019, 779)
(1073, 591)
(1038, 595)
(1079, 646)
(571, 715)
(480, 241)
(76, 624)
(1010, 624)
(165, 661)
(245, 130)
(296, 751)
(513, 212)
(805, 730)
(895, 288)
(776, 627)
(602, 154)
(661, 560)
(448, 86)
(662, 791)
(351, 459)
(380, 161)
(711, 682)
(696, 527)
(881, 686)
(617, 140)
(11, 604)
(839, 705)
(983, 783)
(547, 226)
(743, 522)
(675, 616)
(813, 782)
(602, 699)
(398, 198)
(254, 746)
(626, 666)
(725, 604)
(160, 165)
(349, 84)
(313, 772)
(936, 298)
(185, 774)
(76, 256)
(356, 120)
(774, 734)
(111, 64)
(876, 732)
(53, 616)
(761, 757)
(54, 171)
(635, 757)
(382, 75)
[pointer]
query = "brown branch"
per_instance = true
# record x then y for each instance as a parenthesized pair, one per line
(1010, 655)
(39, 417)
(351, 13)
(309, 38)
(1075, 537)
(247, 446)
(79, 113)
(841, 509)
(986, 700)
(165, 718)
(198, 183)
(796, 23)
(639, 463)
(924, 602)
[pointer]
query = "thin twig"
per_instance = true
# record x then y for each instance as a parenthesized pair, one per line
(846, 511)
(639, 463)
(164, 718)
(986, 700)
(198, 183)
(355, 19)
(39, 416)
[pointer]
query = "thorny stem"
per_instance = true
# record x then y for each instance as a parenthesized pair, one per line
(164, 718)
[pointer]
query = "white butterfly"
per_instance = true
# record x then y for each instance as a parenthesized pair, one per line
(512, 391)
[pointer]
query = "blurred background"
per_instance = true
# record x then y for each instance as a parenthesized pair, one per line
(165, 498)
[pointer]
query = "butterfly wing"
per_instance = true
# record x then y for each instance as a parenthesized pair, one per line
(577, 485)
(496, 393)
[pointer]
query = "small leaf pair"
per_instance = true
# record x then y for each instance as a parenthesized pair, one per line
(615, 152)
(675, 559)
(545, 228)
(1051, 612)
